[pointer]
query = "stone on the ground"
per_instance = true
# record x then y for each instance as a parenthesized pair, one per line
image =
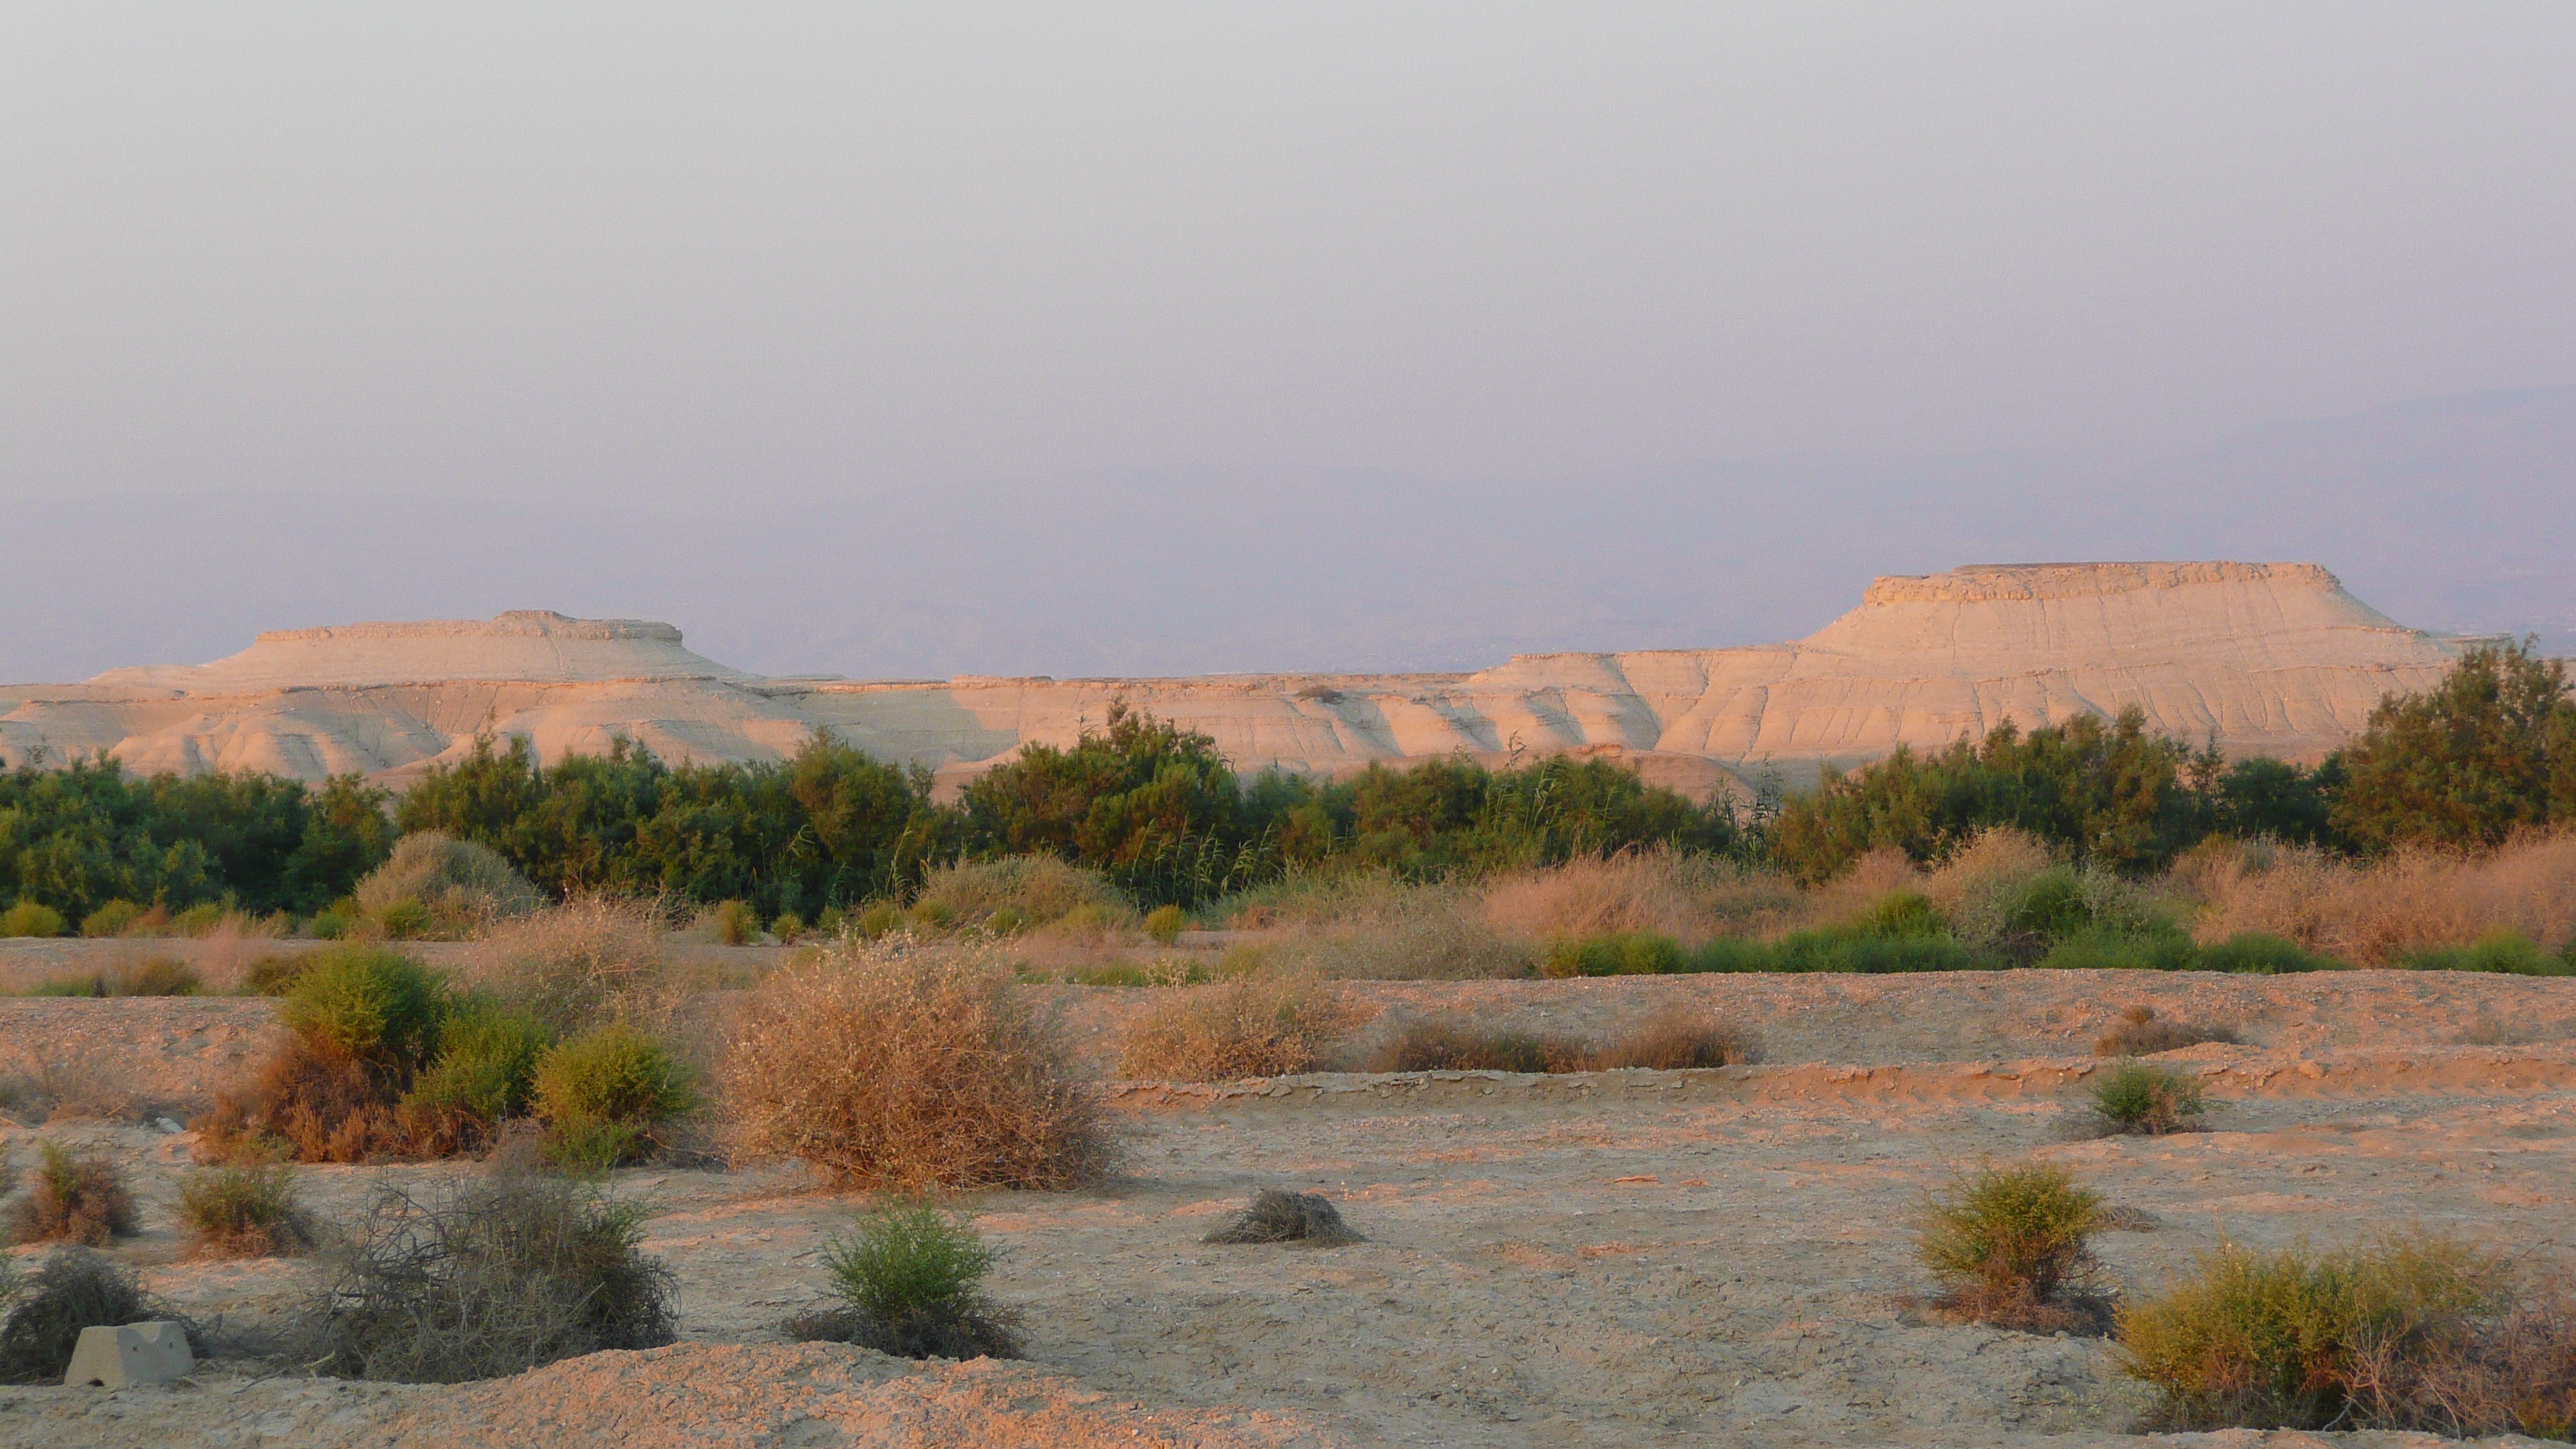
(132, 1356)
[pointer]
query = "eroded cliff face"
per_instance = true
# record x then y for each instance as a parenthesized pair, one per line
(2265, 658)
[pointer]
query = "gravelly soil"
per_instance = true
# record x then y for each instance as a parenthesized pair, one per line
(1629, 1258)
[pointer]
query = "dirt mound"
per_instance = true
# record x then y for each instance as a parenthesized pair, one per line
(687, 1396)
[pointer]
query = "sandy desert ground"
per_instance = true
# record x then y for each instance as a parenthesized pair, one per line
(1630, 1258)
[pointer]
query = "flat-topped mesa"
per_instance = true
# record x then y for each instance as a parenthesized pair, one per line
(521, 646)
(2271, 658)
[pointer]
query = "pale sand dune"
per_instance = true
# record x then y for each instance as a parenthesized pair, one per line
(2269, 658)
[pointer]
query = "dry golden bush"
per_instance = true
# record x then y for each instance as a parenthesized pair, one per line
(2367, 913)
(1368, 926)
(1849, 896)
(911, 1068)
(1253, 1026)
(1688, 897)
(464, 887)
(1041, 888)
(591, 959)
(1975, 885)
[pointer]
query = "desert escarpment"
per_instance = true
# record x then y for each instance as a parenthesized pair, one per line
(2262, 658)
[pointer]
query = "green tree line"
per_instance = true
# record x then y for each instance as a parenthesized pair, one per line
(2490, 750)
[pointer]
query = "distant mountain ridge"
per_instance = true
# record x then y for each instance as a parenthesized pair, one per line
(2260, 657)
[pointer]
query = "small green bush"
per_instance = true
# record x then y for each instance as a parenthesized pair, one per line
(2503, 951)
(1164, 923)
(73, 1200)
(332, 923)
(1616, 953)
(486, 1064)
(2013, 1248)
(2137, 1098)
(733, 922)
(909, 1283)
(272, 975)
(111, 919)
(28, 918)
(1899, 914)
(1836, 951)
(406, 920)
(2097, 949)
(160, 976)
(931, 917)
(200, 919)
(2304, 1340)
(366, 1003)
(787, 926)
(242, 1212)
(882, 919)
(2253, 953)
(1728, 954)
(2051, 905)
(606, 1094)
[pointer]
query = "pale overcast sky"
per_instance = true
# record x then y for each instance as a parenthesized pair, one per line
(700, 257)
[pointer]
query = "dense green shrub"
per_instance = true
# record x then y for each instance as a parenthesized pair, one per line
(2504, 951)
(1615, 953)
(2012, 1247)
(2253, 953)
(1838, 951)
(2167, 948)
(1728, 953)
(366, 1003)
(2151, 1101)
(486, 1064)
(27, 918)
(606, 1095)
(2403, 1333)
(909, 1283)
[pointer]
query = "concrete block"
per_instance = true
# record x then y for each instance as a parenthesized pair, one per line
(129, 1357)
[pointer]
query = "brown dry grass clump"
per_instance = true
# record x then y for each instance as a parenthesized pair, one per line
(1364, 926)
(591, 959)
(1040, 889)
(1676, 1039)
(2369, 913)
(1248, 1027)
(1687, 897)
(912, 1069)
(73, 1200)
(2142, 1033)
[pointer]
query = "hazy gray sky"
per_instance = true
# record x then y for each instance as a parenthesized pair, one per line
(706, 252)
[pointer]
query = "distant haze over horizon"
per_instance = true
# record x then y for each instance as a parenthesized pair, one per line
(1136, 339)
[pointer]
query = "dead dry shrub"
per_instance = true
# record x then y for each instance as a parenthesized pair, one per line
(73, 1199)
(1451, 1044)
(1688, 897)
(434, 884)
(899, 1066)
(1253, 1026)
(2370, 913)
(243, 1212)
(591, 959)
(480, 1278)
(1678, 1039)
(1977, 884)
(2012, 1247)
(2141, 1033)
(1851, 896)
(1277, 1216)
(311, 1102)
(2417, 1332)
(1361, 925)
(41, 1318)
(86, 1082)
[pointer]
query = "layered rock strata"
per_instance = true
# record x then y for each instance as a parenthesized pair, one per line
(2264, 658)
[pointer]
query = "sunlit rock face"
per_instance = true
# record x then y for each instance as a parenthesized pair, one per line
(2263, 658)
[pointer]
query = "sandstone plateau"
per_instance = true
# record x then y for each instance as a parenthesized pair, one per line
(2265, 658)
